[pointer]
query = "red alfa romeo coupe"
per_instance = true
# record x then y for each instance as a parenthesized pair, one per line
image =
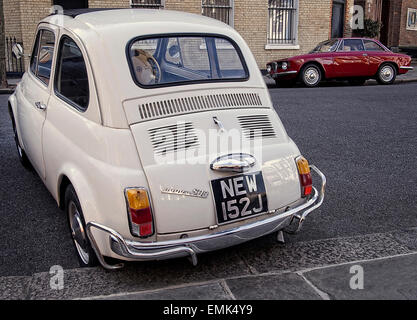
(352, 59)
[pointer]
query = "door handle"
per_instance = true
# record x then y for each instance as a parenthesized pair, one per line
(237, 162)
(365, 54)
(40, 105)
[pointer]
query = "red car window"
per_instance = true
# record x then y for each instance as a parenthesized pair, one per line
(372, 46)
(352, 45)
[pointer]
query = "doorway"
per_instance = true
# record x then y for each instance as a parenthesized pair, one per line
(384, 35)
(72, 4)
(338, 18)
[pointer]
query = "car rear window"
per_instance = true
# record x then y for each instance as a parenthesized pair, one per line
(182, 59)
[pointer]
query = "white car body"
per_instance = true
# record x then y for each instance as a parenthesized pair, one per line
(107, 149)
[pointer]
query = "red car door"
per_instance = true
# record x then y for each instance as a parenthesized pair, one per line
(351, 59)
(376, 55)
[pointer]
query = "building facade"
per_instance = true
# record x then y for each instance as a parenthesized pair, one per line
(272, 28)
(398, 18)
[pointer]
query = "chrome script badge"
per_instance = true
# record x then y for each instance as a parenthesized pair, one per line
(195, 193)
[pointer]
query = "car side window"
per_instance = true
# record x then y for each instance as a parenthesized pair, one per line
(45, 55)
(352, 45)
(71, 78)
(34, 56)
(372, 46)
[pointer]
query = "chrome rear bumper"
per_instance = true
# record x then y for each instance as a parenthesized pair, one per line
(192, 246)
(407, 68)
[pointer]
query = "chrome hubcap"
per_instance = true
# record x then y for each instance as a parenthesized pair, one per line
(311, 76)
(387, 73)
(78, 233)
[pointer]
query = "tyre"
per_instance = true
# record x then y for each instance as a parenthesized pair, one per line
(24, 160)
(357, 82)
(387, 74)
(311, 75)
(76, 222)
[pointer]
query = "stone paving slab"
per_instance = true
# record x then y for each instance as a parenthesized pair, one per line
(213, 291)
(286, 286)
(302, 255)
(14, 288)
(393, 278)
(252, 274)
(79, 283)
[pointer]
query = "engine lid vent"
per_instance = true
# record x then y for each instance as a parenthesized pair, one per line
(166, 108)
(172, 138)
(256, 126)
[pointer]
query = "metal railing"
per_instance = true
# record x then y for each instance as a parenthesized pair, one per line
(218, 9)
(282, 16)
(14, 67)
(149, 4)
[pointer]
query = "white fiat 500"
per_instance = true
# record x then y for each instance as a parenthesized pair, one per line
(155, 132)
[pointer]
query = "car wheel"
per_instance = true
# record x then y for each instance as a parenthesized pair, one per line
(357, 82)
(284, 83)
(24, 160)
(311, 76)
(386, 74)
(85, 251)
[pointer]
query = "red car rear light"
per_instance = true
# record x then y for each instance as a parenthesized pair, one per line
(139, 211)
(306, 181)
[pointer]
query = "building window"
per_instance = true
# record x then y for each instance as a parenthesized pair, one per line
(150, 4)
(218, 9)
(282, 22)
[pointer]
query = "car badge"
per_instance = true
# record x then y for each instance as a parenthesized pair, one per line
(197, 193)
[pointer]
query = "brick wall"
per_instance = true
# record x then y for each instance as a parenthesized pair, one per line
(250, 20)
(408, 38)
(108, 3)
(192, 6)
(31, 12)
(13, 25)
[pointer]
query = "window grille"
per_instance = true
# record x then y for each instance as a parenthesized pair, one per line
(282, 21)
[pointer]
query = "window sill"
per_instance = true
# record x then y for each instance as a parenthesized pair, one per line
(282, 47)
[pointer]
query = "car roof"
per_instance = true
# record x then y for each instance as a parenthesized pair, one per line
(102, 18)
(76, 12)
(357, 38)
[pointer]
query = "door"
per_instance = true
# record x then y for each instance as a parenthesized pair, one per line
(376, 55)
(338, 18)
(33, 102)
(351, 59)
(72, 4)
(386, 26)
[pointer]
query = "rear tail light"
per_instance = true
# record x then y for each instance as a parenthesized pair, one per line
(306, 181)
(139, 211)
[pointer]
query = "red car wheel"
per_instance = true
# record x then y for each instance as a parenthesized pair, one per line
(311, 76)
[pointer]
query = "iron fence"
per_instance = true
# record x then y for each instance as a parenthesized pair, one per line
(282, 20)
(14, 67)
(149, 4)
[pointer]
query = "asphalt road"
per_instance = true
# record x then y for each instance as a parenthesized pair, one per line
(363, 138)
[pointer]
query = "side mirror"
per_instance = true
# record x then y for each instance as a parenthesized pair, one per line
(17, 50)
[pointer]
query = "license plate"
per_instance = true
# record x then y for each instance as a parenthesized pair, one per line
(239, 197)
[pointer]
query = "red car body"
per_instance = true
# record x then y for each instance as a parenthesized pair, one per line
(341, 61)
